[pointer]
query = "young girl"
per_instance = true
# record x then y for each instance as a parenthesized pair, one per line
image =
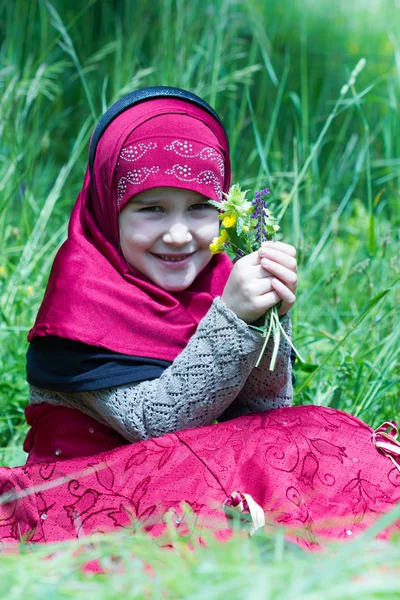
(136, 281)
(143, 336)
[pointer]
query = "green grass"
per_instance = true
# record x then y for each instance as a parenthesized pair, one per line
(274, 71)
(263, 567)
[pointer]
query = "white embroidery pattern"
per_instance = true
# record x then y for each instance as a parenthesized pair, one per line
(184, 173)
(134, 177)
(185, 149)
(132, 153)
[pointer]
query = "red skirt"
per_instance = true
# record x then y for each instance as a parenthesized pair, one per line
(315, 470)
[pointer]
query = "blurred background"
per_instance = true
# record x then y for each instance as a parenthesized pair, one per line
(323, 137)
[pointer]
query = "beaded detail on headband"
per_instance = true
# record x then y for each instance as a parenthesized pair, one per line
(135, 177)
(133, 153)
(185, 149)
(202, 167)
(184, 173)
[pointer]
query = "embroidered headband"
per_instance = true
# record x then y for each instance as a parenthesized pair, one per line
(173, 151)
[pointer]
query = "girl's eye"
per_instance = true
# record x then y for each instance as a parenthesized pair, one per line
(202, 206)
(151, 209)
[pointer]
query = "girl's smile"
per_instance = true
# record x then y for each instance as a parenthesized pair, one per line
(174, 260)
(165, 234)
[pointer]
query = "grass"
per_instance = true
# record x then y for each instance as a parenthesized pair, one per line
(262, 567)
(274, 71)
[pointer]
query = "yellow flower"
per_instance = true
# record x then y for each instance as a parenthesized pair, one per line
(217, 245)
(229, 221)
(29, 290)
(223, 236)
(214, 246)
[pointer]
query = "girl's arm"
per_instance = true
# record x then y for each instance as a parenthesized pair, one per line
(264, 279)
(196, 389)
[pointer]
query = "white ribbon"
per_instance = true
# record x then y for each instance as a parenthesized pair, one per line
(239, 502)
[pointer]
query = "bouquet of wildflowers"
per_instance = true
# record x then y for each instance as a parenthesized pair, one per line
(244, 226)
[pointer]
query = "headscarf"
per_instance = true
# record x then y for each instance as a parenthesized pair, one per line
(93, 294)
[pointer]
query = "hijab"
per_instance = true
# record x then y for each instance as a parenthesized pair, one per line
(93, 295)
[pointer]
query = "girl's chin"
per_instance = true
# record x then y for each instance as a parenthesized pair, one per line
(174, 286)
(175, 281)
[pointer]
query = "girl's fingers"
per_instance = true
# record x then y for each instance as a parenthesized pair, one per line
(281, 246)
(261, 272)
(272, 291)
(268, 300)
(286, 295)
(262, 286)
(278, 256)
(286, 275)
(252, 259)
(250, 266)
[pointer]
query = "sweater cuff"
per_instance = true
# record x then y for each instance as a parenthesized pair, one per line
(241, 326)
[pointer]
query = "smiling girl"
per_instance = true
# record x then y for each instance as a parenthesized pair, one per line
(139, 318)
(143, 340)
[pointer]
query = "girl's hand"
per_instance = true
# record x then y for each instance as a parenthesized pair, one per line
(279, 261)
(258, 282)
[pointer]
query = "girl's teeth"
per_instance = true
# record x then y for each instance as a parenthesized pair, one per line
(173, 259)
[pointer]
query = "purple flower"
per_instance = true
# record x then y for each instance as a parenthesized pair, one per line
(260, 212)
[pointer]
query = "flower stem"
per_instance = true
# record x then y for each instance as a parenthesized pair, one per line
(269, 327)
(277, 337)
(289, 341)
(272, 325)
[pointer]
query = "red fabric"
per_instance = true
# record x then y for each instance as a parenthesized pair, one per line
(312, 469)
(93, 295)
(60, 433)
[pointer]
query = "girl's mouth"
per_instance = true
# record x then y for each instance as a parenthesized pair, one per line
(177, 259)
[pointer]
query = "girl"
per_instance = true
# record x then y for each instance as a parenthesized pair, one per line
(134, 280)
(144, 337)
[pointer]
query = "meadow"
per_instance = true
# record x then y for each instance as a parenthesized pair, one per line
(324, 138)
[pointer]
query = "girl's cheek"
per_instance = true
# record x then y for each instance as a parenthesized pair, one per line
(213, 230)
(141, 239)
(137, 233)
(207, 230)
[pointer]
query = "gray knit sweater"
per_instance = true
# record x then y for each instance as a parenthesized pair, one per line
(212, 378)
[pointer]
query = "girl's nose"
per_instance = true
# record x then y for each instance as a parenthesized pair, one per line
(177, 235)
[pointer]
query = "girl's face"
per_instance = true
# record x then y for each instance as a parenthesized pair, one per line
(165, 234)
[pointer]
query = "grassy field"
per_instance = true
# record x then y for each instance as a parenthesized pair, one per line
(275, 72)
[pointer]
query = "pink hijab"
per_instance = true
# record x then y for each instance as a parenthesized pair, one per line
(93, 294)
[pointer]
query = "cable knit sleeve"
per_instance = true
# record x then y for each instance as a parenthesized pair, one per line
(199, 386)
(265, 389)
